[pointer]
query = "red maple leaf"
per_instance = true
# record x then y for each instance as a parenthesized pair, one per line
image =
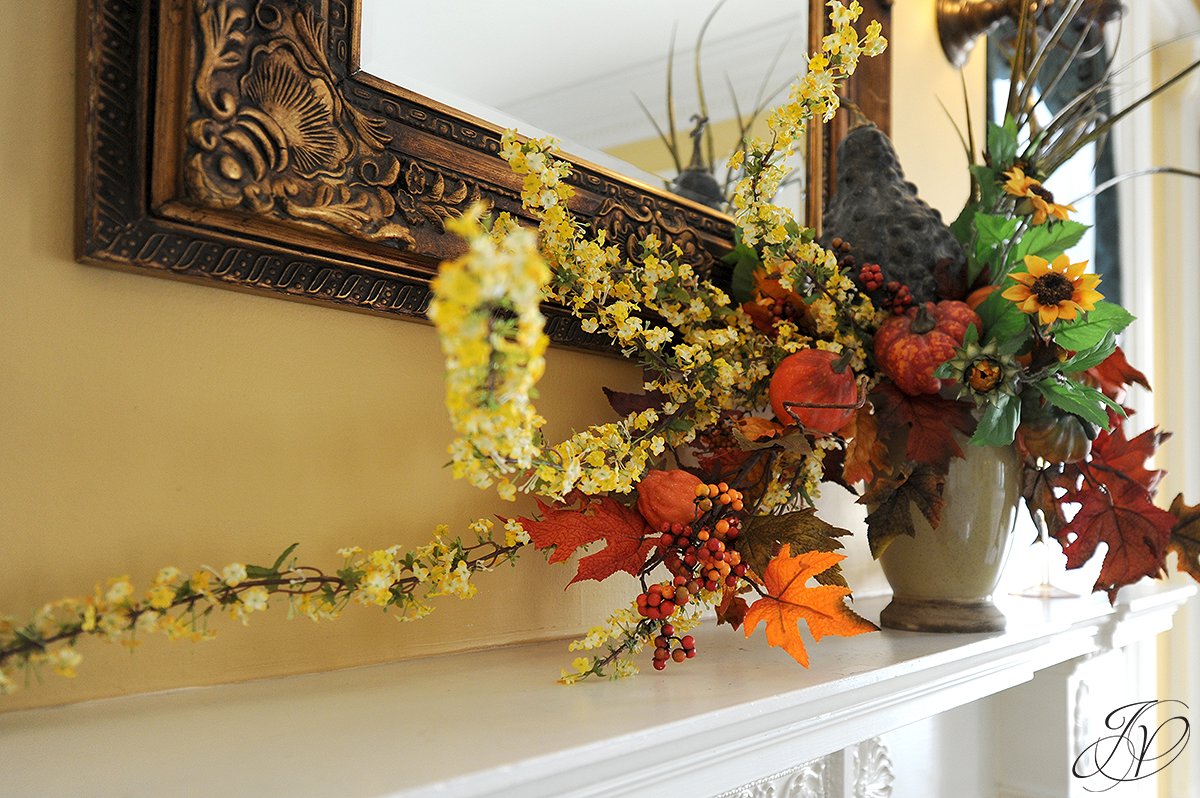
(789, 601)
(568, 527)
(1122, 516)
(1114, 375)
(931, 422)
(1120, 458)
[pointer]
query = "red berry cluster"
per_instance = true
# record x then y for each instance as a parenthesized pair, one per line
(899, 298)
(871, 276)
(686, 648)
(700, 556)
(659, 602)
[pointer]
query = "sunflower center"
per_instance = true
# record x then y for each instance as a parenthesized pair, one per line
(1053, 288)
(1042, 191)
(984, 375)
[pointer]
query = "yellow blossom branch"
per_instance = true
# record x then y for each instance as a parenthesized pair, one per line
(179, 607)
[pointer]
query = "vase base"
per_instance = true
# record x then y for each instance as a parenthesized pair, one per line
(942, 615)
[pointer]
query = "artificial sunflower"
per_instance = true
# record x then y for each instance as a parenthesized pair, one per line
(982, 373)
(1054, 291)
(1035, 198)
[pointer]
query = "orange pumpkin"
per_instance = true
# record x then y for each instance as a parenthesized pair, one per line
(909, 348)
(812, 377)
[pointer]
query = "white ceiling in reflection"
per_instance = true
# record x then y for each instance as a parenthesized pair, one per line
(572, 68)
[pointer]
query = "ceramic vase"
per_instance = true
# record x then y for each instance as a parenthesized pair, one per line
(942, 579)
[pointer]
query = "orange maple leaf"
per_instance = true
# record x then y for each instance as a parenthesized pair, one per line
(568, 527)
(788, 601)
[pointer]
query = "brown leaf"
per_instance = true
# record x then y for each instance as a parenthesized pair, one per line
(931, 421)
(1038, 492)
(892, 513)
(763, 536)
(753, 434)
(732, 609)
(1185, 536)
(626, 403)
(757, 430)
(1120, 458)
(866, 456)
(789, 601)
(1137, 534)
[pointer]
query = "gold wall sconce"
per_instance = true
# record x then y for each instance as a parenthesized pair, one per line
(961, 22)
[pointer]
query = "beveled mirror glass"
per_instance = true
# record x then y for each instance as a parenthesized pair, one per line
(595, 75)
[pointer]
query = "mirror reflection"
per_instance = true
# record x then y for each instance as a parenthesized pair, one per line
(595, 75)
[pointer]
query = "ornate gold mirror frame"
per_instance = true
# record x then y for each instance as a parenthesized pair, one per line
(237, 143)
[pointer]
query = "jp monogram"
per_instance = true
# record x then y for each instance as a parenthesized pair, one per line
(1142, 745)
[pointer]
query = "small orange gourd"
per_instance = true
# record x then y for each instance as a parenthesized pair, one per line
(667, 497)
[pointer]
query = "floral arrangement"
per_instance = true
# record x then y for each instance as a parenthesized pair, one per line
(812, 369)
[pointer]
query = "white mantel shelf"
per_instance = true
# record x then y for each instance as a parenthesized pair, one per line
(496, 723)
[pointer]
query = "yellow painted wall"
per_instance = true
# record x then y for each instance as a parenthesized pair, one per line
(145, 422)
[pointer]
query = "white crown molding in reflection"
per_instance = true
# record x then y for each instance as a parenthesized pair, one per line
(602, 111)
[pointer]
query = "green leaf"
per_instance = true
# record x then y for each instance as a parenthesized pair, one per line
(745, 262)
(283, 557)
(963, 227)
(1003, 321)
(1089, 329)
(992, 234)
(989, 184)
(971, 336)
(1002, 143)
(1048, 241)
(998, 427)
(1073, 397)
(1093, 356)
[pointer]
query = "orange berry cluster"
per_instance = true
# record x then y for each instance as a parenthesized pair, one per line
(720, 493)
(663, 651)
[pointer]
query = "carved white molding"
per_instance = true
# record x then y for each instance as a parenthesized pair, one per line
(868, 773)
(810, 780)
(873, 774)
(1081, 725)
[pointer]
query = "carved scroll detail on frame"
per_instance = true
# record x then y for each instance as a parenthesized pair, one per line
(236, 143)
(628, 226)
(269, 132)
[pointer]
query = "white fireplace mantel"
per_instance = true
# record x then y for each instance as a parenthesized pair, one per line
(495, 722)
